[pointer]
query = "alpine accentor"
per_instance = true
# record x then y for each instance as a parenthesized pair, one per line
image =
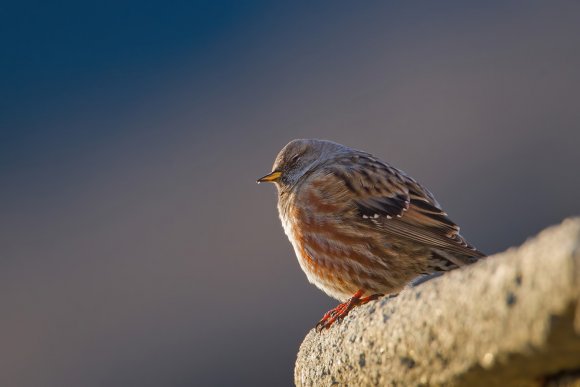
(360, 227)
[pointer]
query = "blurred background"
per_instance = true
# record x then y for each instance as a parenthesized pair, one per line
(136, 248)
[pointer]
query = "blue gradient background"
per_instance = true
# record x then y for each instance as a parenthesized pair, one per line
(136, 249)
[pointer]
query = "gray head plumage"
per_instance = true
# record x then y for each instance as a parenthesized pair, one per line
(299, 157)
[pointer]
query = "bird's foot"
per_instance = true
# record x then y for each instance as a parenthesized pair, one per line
(342, 310)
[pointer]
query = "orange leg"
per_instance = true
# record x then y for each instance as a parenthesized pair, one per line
(342, 310)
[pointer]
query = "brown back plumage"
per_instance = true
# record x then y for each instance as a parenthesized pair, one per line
(386, 199)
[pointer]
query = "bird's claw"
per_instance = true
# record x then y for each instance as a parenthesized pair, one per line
(336, 314)
(342, 310)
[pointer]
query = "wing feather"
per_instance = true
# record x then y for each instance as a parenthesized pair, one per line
(399, 205)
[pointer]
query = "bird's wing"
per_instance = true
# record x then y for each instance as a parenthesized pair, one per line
(386, 197)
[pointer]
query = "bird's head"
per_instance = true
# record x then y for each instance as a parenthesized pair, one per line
(299, 157)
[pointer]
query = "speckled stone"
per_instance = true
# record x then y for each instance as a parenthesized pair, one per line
(511, 319)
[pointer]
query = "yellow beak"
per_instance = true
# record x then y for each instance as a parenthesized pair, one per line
(270, 178)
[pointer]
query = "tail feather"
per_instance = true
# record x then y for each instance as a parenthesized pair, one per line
(442, 260)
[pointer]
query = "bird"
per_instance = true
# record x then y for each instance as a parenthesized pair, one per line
(360, 228)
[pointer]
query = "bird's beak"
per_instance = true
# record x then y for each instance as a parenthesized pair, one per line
(270, 178)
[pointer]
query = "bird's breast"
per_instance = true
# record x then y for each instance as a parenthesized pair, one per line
(337, 257)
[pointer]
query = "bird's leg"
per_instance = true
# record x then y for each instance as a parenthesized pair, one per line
(342, 310)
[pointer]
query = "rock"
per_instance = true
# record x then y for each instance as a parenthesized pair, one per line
(511, 319)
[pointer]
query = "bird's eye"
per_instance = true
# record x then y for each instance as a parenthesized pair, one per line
(295, 158)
